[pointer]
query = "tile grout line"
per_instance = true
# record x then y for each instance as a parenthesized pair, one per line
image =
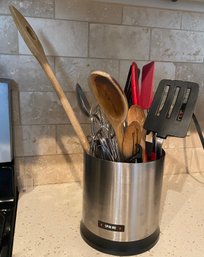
(101, 58)
(88, 41)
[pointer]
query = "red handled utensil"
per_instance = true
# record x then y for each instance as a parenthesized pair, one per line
(134, 84)
(132, 88)
(146, 96)
(146, 86)
(127, 88)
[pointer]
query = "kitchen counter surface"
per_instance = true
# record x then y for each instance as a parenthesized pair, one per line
(48, 220)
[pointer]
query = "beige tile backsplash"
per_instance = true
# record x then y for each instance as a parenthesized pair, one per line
(8, 36)
(24, 69)
(59, 37)
(74, 70)
(39, 8)
(88, 11)
(81, 36)
(51, 169)
(120, 42)
(35, 140)
(193, 21)
(151, 17)
(165, 44)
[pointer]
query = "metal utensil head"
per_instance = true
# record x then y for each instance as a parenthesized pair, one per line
(83, 101)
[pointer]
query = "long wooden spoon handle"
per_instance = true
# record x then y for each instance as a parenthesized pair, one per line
(67, 108)
(36, 48)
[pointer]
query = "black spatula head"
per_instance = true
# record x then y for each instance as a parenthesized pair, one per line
(172, 108)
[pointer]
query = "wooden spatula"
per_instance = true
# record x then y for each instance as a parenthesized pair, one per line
(136, 113)
(132, 137)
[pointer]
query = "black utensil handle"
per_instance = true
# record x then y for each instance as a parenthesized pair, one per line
(127, 88)
(2, 223)
(136, 158)
(198, 128)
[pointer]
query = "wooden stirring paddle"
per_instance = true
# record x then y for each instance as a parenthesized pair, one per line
(34, 44)
(136, 113)
(132, 137)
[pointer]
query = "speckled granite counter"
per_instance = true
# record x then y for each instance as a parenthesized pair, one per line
(48, 220)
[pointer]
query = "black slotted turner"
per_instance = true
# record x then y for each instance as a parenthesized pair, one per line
(171, 110)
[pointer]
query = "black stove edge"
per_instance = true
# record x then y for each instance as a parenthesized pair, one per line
(6, 246)
(8, 207)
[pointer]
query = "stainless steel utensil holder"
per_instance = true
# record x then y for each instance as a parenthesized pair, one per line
(121, 203)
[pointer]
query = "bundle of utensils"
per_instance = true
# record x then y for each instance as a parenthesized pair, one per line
(122, 112)
(132, 113)
(121, 119)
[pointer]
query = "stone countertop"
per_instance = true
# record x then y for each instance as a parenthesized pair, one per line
(48, 220)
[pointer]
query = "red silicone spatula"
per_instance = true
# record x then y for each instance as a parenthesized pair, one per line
(146, 85)
(146, 95)
(134, 84)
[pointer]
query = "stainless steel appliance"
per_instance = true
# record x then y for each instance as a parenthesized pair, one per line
(6, 151)
(8, 188)
(121, 203)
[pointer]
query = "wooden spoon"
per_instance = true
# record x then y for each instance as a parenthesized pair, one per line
(136, 113)
(132, 137)
(112, 101)
(36, 49)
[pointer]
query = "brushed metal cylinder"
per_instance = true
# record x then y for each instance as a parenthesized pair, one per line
(121, 201)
